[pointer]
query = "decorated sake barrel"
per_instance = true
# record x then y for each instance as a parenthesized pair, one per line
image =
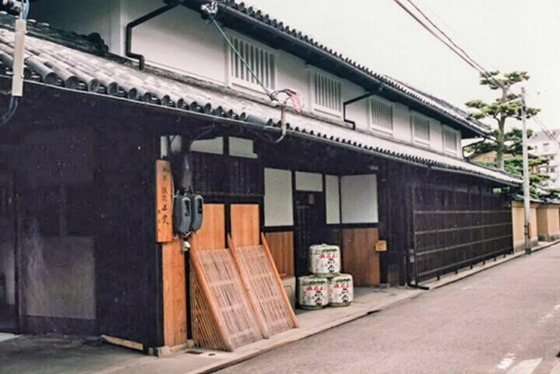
(324, 260)
(341, 290)
(313, 292)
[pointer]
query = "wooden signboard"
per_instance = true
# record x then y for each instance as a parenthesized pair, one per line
(381, 246)
(164, 199)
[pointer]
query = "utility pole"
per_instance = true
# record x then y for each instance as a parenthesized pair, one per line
(526, 172)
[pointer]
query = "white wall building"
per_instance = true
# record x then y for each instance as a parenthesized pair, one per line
(543, 146)
(181, 41)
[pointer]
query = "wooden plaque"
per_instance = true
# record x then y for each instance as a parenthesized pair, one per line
(164, 199)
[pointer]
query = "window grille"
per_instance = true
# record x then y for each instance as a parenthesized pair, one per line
(421, 128)
(327, 93)
(381, 115)
(450, 140)
(260, 60)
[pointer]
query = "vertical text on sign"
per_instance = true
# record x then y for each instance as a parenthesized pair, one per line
(164, 197)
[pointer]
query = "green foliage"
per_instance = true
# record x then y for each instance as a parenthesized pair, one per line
(554, 193)
(513, 144)
(508, 105)
(514, 163)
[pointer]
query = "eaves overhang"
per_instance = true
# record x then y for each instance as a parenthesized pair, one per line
(81, 72)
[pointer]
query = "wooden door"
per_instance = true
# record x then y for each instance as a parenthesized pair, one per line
(310, 225)
(359, 256)
(245, 224)
(8, 289)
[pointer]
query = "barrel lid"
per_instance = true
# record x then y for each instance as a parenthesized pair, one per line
(313, 278)
(341, 278)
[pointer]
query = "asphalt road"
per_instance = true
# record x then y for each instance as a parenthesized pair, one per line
(503, 320)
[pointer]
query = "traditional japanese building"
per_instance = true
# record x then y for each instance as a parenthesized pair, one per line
(367, 159)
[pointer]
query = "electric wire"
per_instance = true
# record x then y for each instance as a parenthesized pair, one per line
(211, 11)
(455, 48)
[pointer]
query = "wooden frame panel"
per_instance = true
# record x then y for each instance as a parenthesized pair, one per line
(359, 256)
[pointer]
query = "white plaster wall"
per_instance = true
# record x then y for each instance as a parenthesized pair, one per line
(357, 112)
(332, 197)
(309, 181)
(214, 146)
(401, 122)
(293, 73)
(436, 135)
(359, 198)
(278, 203)
(83, 17)
(239, 147)
(459, 145)
(179, 40)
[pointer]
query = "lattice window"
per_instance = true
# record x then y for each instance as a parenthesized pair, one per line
(327, 94)
(421, 129)
(450, 141)
(381, 115)
(261, 61)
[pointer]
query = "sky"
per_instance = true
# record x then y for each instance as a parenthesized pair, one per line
(503, 35)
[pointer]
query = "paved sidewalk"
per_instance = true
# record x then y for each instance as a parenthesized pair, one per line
(368, 300)
(107, 359)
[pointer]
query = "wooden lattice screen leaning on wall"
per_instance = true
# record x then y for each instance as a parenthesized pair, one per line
(259, 272)
(237, 297)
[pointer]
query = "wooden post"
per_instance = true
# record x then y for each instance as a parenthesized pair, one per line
(280, 284)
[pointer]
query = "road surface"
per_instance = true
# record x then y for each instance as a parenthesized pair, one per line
(503, 320)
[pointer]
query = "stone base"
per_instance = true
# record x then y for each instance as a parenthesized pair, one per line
(549, 237)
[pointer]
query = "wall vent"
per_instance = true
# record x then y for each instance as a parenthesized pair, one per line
(261, 61)
(327, 94)
(381, 115)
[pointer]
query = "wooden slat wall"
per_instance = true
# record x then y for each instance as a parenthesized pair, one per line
(174, 294)
(282, 249)
(212, 234)
(245, 224)
(359, 256)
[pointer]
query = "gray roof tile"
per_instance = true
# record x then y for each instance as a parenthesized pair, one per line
(60, 65)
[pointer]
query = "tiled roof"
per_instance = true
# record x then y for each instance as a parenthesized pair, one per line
(58, 65)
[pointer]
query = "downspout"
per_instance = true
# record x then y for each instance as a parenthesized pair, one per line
(139, 21)
(356, 99)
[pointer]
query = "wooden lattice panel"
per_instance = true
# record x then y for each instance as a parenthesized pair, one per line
(228, 302)
(266, 289)
(204, 327)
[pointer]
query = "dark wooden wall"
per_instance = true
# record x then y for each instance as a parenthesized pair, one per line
(448, 220)
(128, 261)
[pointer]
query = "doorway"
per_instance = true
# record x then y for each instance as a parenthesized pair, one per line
(310, 226)
(8, 310)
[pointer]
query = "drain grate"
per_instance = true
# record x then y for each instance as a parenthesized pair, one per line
(191, 352)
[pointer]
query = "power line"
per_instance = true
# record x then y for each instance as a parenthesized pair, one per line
(455, 48)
